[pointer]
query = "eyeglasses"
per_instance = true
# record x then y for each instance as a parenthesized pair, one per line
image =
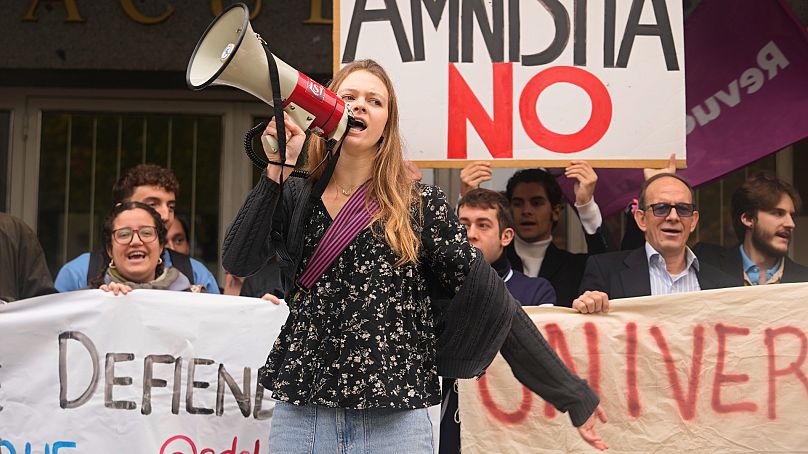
(663, 209)
(125, 235)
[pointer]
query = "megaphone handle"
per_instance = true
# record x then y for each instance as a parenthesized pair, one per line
(270, 142)
(248, 146)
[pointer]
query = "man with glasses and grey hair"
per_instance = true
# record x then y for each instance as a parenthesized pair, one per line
(666, 216)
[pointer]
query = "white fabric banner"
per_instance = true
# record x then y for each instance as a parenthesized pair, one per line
(703, 372)
(152, 371)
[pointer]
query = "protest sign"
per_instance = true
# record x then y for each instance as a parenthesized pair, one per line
(711, 371)
(151, 371)
(526, 82)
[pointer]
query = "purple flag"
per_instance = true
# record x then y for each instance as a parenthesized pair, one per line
(746, 73)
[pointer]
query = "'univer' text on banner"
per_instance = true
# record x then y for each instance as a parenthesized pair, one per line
(712, 371)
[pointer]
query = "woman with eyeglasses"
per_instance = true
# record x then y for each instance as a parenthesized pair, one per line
(134, 237)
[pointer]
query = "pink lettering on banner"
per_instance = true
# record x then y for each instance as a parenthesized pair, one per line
(686, 384)
(187, 446)
(633, 394)
(722, 378)
(505, 417)
(558, 342)
(794, 367)
(687, 405)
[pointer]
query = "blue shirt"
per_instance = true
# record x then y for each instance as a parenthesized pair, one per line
(73, 274)
(662, 282)
(753, 271)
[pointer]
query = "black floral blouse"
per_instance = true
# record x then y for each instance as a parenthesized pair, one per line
(363, 336)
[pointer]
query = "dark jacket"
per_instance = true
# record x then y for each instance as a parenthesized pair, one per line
(529, 291)
(729, 261)
(23, 270)
(564, 269)
(481, 319)
(625, 274)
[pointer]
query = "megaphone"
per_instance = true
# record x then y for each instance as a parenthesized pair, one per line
(230, 53)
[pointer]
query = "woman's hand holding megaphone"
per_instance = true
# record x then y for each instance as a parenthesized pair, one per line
(295, 137)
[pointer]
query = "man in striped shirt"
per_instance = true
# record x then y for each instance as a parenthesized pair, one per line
(664, 265)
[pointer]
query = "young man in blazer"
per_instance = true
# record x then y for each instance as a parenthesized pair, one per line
(763, 210)
(667, 216)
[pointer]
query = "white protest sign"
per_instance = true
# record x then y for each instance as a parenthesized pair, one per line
(542, 81)
(151, 371)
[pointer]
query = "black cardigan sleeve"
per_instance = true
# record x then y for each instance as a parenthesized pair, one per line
(540, 369)
(482, 317)
(247, 243)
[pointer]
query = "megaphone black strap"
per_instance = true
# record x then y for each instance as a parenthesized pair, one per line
(281, 164)
(277, 101)
(277, 106)
(319, 187)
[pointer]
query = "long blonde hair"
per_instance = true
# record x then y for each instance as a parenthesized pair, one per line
(391, 183)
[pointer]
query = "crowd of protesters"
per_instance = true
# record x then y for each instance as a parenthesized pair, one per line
(500, 244)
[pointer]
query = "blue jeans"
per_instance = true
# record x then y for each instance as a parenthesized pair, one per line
(314, 429)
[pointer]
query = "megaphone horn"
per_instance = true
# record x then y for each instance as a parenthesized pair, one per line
(230, 53)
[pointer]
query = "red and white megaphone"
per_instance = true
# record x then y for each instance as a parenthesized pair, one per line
(230, 53)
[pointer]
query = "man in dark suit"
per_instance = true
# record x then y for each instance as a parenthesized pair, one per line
(536, 200)
(665, 264)
(763, 211)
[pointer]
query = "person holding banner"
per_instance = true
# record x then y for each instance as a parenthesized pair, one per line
(763, 210)
(384, 291)
(665, 264)
(157, 187)
(134, 237)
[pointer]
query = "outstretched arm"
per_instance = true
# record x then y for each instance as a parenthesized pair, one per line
(538, 367)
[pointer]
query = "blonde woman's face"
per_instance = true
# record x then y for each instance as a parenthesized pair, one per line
(369, 101)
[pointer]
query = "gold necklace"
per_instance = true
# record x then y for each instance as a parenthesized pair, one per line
(345, 192)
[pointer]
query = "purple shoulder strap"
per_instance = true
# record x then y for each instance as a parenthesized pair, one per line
(352, 218)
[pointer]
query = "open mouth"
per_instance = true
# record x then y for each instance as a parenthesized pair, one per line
(784, 234)
(136, 255)
(358, 124)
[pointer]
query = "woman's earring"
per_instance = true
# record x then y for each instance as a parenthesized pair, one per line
(112, 264)
(160, 261)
